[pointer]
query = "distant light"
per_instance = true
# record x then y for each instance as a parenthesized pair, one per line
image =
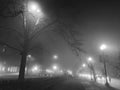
(38, 10)
(103, 47)
(49, 71)
(54, 67)
(61, 71)
(90, 59)
(4, 49)
(2, 68)
(70, 72)
(55, 57)
(12, 69)
(29, 56)
(35, 69)
(83, 65)
(85, 75)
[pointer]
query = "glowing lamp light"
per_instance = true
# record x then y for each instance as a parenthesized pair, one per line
(34, 8)
(90, 59)
(49, 71)
(54, 67)
(83, 65)
(29, 56)
(35, 69)
(55, 57)
(38, 10)
(103, 47)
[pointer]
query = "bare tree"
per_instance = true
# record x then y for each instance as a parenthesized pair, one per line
(16, 8)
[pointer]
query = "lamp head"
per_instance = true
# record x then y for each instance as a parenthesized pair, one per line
(90, 59)
(103, 47)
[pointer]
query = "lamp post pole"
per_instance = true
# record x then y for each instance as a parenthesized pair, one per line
(90, 65)
(102, 48)
(92, 71)
(105, 69)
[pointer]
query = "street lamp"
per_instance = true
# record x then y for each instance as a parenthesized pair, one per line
(55, 57)
(36, 69)
(33, 6)
(83, 65)
(29, 56)
(90, 59)
(102, 48)
(55, 67)
(90, 65)
(35, 10)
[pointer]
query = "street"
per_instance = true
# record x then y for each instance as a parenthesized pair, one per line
(65, 83)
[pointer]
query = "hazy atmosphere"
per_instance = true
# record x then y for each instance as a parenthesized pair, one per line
(81, 36)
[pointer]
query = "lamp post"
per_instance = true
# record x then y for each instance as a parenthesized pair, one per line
(55, 68)
(33, 8)
(103, 47)
(83, 65)
(90, 65)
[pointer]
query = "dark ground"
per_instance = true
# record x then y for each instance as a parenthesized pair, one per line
(54, 83)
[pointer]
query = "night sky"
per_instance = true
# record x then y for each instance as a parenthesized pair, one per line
(98, 22)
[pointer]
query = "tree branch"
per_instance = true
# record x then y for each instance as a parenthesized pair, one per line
(3, 43)
(69, 35)
(39, 31)
(13, 30)
(10, 29)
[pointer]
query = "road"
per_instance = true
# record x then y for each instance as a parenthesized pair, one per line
(79, 84)
(69, 83)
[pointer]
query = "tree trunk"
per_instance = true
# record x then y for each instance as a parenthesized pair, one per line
(22, 66)
(94, 75)
(25, 50)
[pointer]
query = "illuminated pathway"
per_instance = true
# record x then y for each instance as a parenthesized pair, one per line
(114, 83)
